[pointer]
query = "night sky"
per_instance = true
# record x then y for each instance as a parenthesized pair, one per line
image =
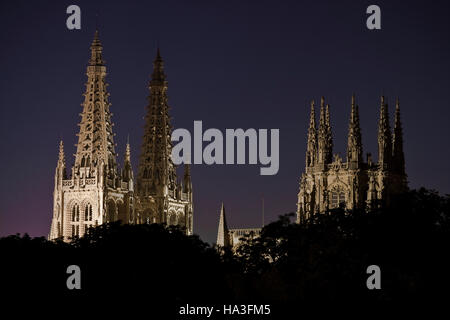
(231, 64)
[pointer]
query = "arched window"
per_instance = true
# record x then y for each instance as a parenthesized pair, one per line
(172, 219)
(122, 211)
(75, 230)
(111, 211)
(88, 212)
(181, 220)
(337, 199)
(75, 213)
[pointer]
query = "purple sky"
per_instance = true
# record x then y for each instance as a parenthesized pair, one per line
(231, 64)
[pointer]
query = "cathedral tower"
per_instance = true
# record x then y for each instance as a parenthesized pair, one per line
(161, 198)
(328, 183)
(95, 192)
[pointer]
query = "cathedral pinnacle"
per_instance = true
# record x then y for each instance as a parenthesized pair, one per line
(329, 136)
(311, 147)
(312, 117)
(354, 146)
(127, 153)
(384, 136)
(398, 155)
(127, 172)
(325, 142)
(158, 69)
(61, 156)
(96, 52)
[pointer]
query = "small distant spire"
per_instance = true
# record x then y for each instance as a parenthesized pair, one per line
(222, 233)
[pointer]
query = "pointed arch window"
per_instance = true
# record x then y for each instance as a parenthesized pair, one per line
(337, 198)
(76, 213)
(88, 212)
(75, 230)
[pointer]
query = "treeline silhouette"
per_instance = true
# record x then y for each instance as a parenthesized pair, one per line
(323, 260)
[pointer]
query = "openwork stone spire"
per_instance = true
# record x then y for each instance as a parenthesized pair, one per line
(96, 192)
(95, 139)
(354, 145)
(311, 148)
(156, 172)
(384, 137)
(398, 155)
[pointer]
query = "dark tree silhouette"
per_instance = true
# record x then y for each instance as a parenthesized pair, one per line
(321, 261)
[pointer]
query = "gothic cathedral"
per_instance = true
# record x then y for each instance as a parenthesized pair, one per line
(329, 183)
(97, 191)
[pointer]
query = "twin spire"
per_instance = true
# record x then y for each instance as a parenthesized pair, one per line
(320, 142)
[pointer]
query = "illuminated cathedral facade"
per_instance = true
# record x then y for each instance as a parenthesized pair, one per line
(330, 182)
(96, 190)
